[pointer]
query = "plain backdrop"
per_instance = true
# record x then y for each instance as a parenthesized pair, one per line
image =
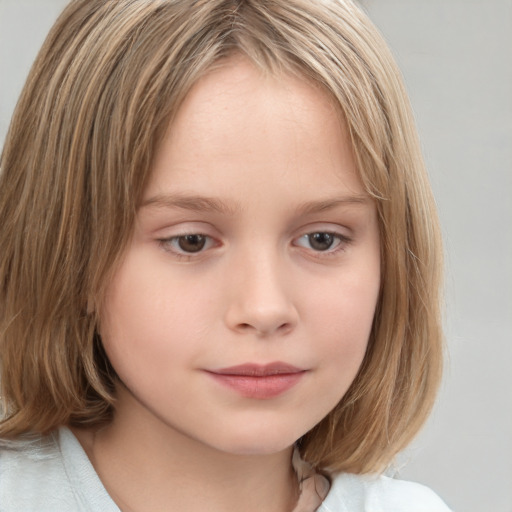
(456, 59)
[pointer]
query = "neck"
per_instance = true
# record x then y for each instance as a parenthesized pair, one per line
(146, 465)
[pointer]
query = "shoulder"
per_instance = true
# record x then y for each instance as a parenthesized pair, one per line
(371, 493)
(50, 474)
(32, 475)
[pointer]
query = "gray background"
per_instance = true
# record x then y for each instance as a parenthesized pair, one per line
(456, 59)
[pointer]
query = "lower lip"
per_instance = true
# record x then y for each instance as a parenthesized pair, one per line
(259, 387)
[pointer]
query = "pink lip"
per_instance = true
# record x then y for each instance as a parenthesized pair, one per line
(259, 381)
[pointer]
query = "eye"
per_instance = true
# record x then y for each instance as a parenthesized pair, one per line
(187, 244)
(321, 241)
(191, 243)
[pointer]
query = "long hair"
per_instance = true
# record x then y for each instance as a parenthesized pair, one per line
(78, 153)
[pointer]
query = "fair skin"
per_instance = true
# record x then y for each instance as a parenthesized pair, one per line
(255, 243)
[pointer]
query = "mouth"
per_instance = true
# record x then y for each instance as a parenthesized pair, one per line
(257, 381)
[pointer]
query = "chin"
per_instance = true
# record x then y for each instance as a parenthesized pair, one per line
(256, 449)
(256, 443)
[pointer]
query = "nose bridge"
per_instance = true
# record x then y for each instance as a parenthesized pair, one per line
(261, 298)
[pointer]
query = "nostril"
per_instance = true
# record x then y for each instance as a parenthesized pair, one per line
(265, 331)
(259, 319)
(284, 328)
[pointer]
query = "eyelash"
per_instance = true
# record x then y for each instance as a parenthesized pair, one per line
(166, 244)
(342, 242)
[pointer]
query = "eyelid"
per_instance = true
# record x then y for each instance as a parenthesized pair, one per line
(344, 240)
(337, 236)
(168, 245)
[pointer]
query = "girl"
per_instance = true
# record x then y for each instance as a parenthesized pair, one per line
(220, 264)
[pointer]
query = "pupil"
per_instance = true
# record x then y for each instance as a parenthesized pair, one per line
(191, 243)
(321, 241)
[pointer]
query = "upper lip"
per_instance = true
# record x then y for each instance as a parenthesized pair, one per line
(259, 370)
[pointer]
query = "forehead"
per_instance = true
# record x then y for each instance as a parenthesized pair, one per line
(236, 84)
(236, 121)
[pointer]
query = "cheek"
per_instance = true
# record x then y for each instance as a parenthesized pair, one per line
(150, 297)
(340, 322)
(149, 317)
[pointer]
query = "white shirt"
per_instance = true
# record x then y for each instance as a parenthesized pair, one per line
(53, 474)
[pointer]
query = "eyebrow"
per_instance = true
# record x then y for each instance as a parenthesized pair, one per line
(192, 203)
(312, 207)
(211, 204)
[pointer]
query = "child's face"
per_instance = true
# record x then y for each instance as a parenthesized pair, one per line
(255, 245)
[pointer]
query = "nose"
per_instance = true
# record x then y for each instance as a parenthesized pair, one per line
(261, 297)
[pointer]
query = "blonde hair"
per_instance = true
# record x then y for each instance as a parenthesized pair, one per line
(102, 91)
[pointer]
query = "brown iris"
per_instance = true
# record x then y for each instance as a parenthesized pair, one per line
(191, 243)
